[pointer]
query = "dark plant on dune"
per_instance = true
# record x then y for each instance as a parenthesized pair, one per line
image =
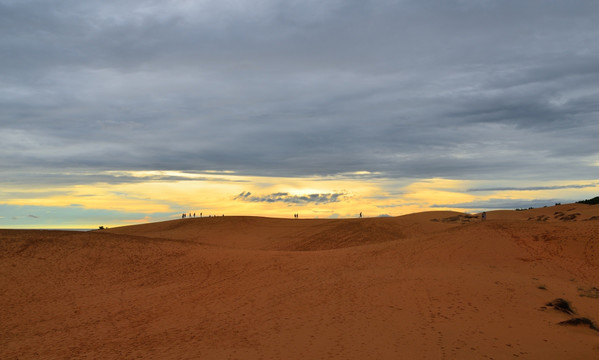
(593, 201)
(562, 305)
(580, 321)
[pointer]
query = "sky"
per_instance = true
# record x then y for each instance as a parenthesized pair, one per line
(116, 113)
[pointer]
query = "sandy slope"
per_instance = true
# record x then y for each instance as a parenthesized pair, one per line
(436, 285)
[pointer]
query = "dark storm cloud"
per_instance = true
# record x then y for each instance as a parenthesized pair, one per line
(460, 89)
(291, 199)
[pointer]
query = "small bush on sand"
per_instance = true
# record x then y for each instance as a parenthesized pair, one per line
(562, 305)
(580, 322)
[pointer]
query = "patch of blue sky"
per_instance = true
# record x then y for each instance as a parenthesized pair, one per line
(73, 216)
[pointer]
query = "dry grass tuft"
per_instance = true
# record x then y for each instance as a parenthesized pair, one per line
(562, 305)
(582, 321)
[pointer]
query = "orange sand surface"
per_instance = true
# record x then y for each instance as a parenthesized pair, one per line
(434, 285)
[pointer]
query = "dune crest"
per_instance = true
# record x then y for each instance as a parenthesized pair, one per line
(259, 233)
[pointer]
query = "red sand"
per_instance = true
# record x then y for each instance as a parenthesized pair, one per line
(436, 285)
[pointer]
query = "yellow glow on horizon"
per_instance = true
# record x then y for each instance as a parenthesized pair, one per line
(438, 191)
(218, 197)
(170, 193)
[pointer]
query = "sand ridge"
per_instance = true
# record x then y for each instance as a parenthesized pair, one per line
(436, 285)
(289, 234)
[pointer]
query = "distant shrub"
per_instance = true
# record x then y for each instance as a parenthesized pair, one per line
(593, 201)
(580, 321)
(592, 292)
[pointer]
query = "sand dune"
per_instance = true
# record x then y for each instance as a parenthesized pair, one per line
(436, 285)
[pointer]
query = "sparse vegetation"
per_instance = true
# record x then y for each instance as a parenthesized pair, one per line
(593, 201)
(542, 287)
(592, 292)
(580, 321)
(562, 305)
(563, 217)
(539, 218)
(570, 217)
(458, 218)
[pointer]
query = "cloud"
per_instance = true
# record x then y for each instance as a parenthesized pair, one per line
(284, 197)
(535, 188)
(389, 89)
(502, 204)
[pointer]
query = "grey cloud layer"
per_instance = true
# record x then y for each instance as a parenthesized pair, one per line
(460, 89)
(504, 204)
(536, 188)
